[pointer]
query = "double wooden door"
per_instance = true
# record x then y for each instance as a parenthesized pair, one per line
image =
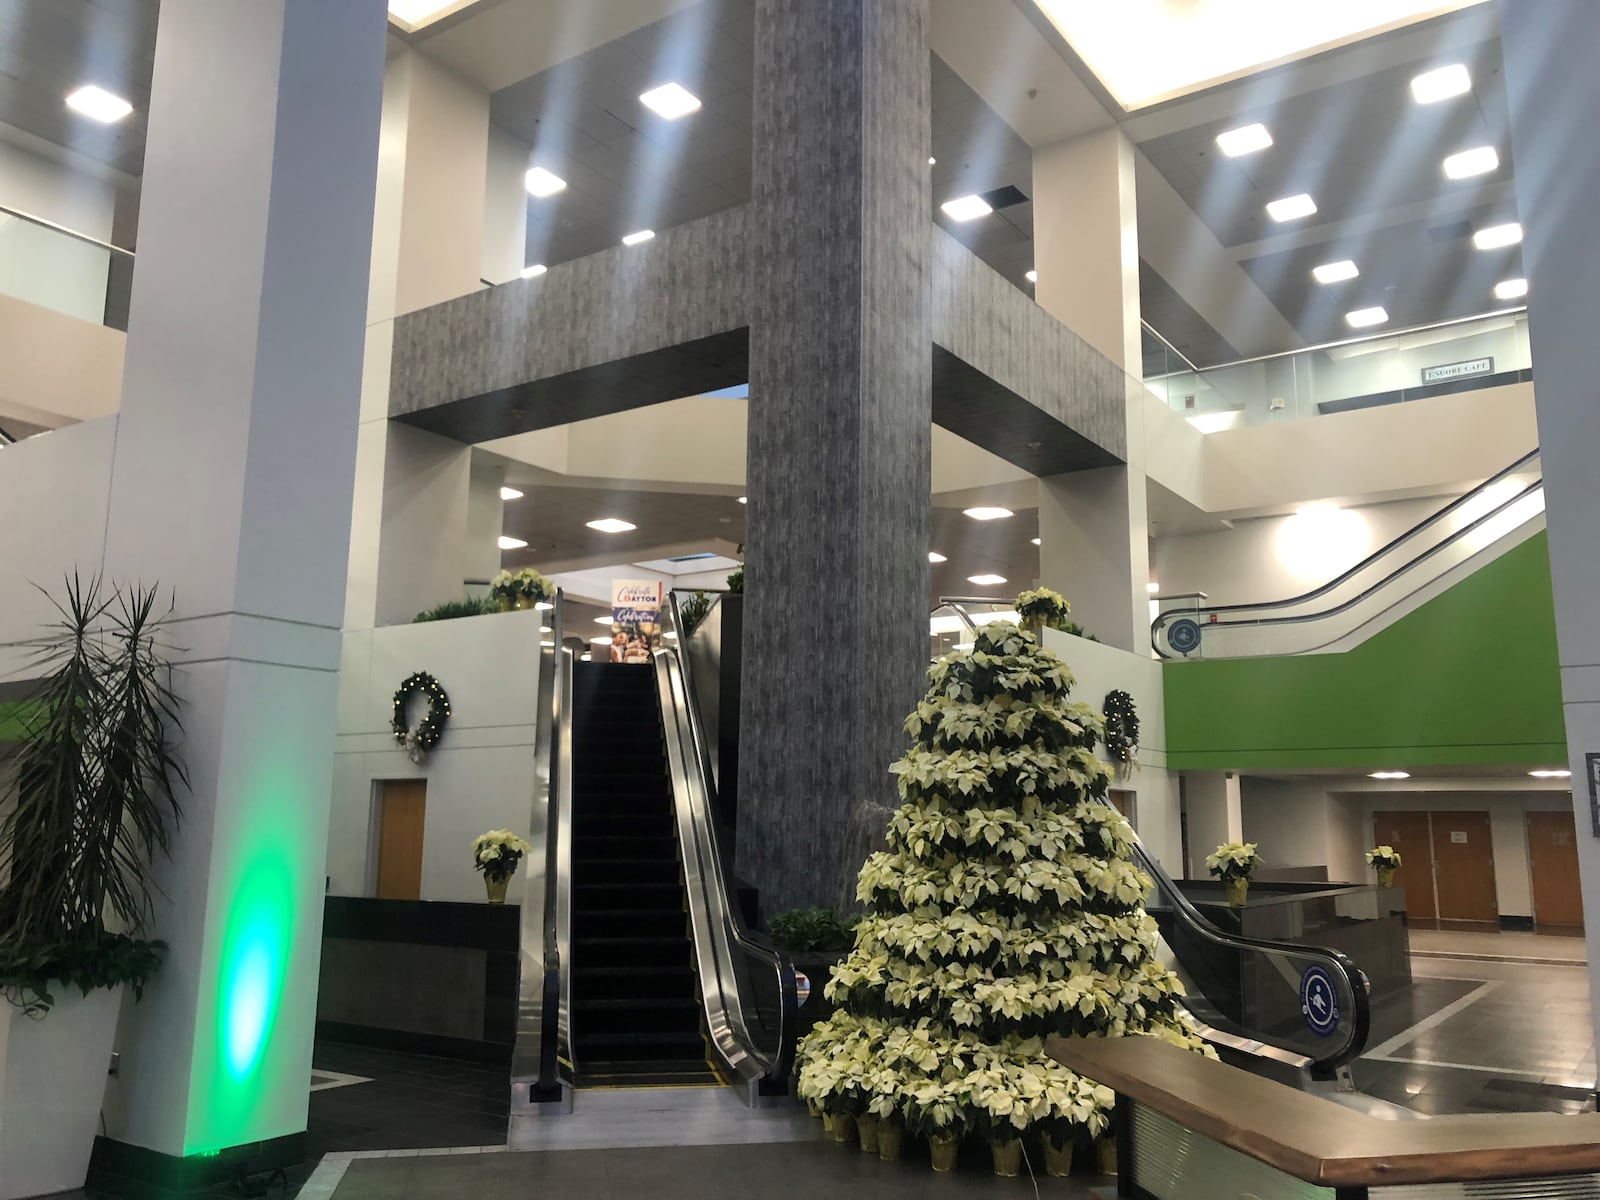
(1447, 867)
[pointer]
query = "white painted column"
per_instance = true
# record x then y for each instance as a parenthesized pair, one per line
(1214, 814)
(230, 485)
(1553, 93)
(1093, 524)
(505, 207)
(429, 244)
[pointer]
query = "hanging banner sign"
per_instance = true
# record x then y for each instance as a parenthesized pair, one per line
(1465, 369)
(635, 619)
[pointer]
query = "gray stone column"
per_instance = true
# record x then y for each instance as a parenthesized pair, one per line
(835, 631)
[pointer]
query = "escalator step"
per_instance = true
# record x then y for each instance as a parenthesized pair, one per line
(621, 923)
(661, 1073)
(586, 846)
(639, 1046)
(643, 870)
(625, 981)
(630, 951)
(645, 897)
(602, 1017)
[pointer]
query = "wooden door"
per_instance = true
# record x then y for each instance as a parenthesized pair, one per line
(1553, 861)
(1408, 833)
(1123, 801)
(1463, 871)
(402, 808)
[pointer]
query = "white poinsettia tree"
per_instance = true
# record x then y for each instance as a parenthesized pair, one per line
(1006, 909)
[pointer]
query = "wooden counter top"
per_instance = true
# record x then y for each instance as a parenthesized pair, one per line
(1322, 1142)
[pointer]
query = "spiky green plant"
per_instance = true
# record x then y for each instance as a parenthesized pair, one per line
(92, 799)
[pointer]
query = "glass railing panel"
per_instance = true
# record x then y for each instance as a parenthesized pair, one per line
(56, 268)
(1190, 626)
(1383, 368)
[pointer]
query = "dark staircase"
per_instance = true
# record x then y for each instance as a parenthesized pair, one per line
(635, 1008)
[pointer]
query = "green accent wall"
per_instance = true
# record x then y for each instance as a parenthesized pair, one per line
(1468, 678)
(14, 717)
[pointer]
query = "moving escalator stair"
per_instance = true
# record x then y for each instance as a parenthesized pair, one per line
(636, 1013)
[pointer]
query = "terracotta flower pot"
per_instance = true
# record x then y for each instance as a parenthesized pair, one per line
(1105, 1153)
(496, 889)
(1057, 1158)
(867, 1129)
(1385, 876)
(1007, 1156)
(1236, 888)
(942, 1148)
(890, 1139)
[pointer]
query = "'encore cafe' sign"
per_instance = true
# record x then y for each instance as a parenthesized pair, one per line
(1466, 369)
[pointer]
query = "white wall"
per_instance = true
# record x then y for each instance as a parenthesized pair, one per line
(53, 490)
(505, 207)
(1294, 824)
(57, 368)
(480, 776)
(1096, 670)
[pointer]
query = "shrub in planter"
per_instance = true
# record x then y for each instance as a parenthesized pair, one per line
(471, 606)
(811, 931)
(92, 798)
(1005, 909)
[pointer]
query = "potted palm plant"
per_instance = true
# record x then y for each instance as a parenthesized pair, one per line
(91, 798)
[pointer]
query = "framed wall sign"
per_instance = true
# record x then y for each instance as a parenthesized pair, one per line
(1465, 369)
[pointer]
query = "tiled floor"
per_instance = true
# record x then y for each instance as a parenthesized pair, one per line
(810, 1168)
(1520, 947)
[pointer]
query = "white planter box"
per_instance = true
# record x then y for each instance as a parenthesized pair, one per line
(52, 1083)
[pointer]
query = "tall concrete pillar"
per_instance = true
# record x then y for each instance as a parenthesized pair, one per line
(231, 485)
(839, 468)
(1092, 525)
(1553, 93)
(431, 242)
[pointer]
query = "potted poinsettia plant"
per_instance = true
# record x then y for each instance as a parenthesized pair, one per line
(495, 855)
(1040, 607)
(1234, 863)
(1385, 861)
(520, 589)
(91, 801)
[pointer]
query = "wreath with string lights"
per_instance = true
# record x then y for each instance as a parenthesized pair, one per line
(423, 736)
(1122, 728)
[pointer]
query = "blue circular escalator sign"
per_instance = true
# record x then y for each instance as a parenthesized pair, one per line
(1183, 635)
(1319, 1002)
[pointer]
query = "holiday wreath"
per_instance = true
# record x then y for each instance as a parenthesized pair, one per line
(425, 735)
(1122, 727)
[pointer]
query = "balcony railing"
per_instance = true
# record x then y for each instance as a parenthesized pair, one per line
(61, 269)
(1381, 368)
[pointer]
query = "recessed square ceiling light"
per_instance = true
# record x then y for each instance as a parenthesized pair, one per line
(640, 235)
(1496, 236)
(1031, 276)
(600, 641)
(545, 629)
(1335, 272)
(932, 160)
(1038, 541)
(510, 493)
(543, 606)
(1440, 84)
(966, 208)
(935, 557)
(602, 620)
(529, 272)
(744, 499)
(98, 104)
(671, 101)
(670, 635)
(1480, 160)
(511, 543)
(1152, 587)
(1361, 318)
(989, 513)
(1551, 774)
(542, 183)
(612, 525)
(420, 12)
(547, 645)
(1292, 208)
(1390, 775)
(1247, 139)
(1511, 289)
(986, 580)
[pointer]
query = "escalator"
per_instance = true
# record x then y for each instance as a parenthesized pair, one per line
(1424, 560)
(1296, 1013)
(637, 968)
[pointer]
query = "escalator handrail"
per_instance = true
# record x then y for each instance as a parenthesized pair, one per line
(556, 1036)
(1394, 543)
(1187, 912)
(738, 933)
(1344, 606)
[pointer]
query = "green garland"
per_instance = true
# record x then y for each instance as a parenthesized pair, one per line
(1122, 727)
(431, 727)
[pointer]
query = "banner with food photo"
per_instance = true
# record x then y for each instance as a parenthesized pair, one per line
(635, 619)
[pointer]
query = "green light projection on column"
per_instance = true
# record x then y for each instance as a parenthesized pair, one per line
(256, 947)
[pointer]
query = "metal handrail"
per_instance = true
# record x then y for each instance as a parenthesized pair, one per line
(1164, 618)
(1342, 342)
(34, 219)
(728, 933)
(1192, 916)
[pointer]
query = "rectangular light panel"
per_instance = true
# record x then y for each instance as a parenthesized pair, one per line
(1247, 139)
(1477, 161)
(1291, 208)
(1335, 272)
